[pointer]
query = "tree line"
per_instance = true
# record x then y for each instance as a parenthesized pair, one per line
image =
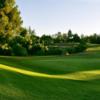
(19, 41)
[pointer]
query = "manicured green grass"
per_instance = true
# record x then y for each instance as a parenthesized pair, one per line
(94, 49)
(74, 77)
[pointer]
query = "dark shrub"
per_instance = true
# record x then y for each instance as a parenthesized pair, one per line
(80, 48)
(54, 51)
(37, 49)
(6, 52)
(71, 50)
(18, 50)
(76, 49)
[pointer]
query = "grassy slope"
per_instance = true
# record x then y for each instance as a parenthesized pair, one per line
(15, 86)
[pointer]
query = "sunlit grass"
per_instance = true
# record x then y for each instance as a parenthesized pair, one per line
(93, 49)
(11, 91)
(82, 75)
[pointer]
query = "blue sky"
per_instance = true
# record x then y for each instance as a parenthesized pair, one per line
(51, 16)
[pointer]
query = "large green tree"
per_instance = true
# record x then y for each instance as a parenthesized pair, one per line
(10, 20)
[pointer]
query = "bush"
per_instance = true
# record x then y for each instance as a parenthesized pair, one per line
(18, 50)
(5, 52)
(54, 51)
(37, 49)
(76, 49)
(71, 50)
(5, 49)
(81, 47)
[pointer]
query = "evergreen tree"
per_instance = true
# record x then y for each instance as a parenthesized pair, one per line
(76, 38)
(70, 36)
